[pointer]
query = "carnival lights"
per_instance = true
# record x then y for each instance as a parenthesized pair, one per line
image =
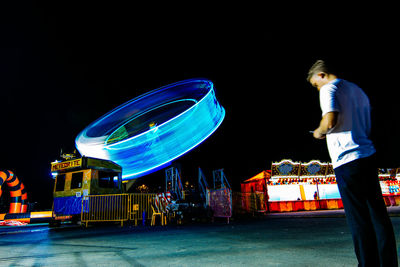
(150, 131)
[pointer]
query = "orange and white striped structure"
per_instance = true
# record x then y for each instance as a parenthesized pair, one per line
(162, 201)
(18, 194)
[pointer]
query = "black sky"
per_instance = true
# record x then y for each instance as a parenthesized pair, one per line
(63, 65)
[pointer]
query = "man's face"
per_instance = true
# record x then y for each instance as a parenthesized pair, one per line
(319, 80)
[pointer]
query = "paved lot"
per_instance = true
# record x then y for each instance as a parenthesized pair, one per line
(297, 239)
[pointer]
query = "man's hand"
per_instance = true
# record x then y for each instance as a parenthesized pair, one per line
(318, 135)
(327, 123)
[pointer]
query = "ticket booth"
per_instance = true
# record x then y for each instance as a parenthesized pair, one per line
(80, 177)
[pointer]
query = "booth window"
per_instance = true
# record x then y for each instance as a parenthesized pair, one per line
(108, 179)
(60, 182)
(76, 181)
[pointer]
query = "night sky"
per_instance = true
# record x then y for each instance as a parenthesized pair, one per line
(65, 65)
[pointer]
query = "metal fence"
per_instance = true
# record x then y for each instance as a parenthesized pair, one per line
(249, 203)
(141, 206)
(116, 208)
(220, 201)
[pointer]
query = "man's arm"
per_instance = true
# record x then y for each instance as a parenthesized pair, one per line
(328, 121)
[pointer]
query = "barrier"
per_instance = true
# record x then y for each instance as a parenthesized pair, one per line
(221, 202)
(116, 208)
(141, 206)
(249, 202)
(105, 208)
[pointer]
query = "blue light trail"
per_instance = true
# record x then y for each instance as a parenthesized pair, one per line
(148, 132)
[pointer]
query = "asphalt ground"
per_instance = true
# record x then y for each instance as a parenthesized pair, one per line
(319, 238)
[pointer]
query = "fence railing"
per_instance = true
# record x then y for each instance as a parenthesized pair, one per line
(135, 207)
(249, 202)
(116, 208)
(141, 206)
(220, 202)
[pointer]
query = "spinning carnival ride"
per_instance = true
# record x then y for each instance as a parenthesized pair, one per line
(148, 132)
(141, 136)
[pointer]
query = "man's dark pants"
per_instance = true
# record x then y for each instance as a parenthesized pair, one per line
(370, 225)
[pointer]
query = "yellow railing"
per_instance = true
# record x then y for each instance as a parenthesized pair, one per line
(116, 208)
(141, 205)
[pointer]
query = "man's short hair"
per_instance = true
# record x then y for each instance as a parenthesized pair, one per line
(317, 67)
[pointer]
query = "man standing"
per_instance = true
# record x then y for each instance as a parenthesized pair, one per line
(346, 125)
